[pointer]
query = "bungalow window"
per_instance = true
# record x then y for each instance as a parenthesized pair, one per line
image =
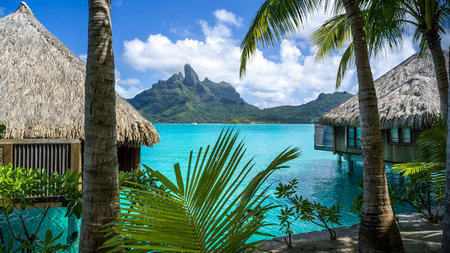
(353, 137)
(400, 135)
(394, 135)
(406, 135)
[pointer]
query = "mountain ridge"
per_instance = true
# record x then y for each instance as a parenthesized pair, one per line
(186, 99)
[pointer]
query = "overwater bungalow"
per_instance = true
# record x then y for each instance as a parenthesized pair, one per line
(408, 103)
(42, 104)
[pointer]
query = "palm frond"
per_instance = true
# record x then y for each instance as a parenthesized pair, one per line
(331, 36)
(408, 169)
(383, 26)
(204, 212)
(431, 145)
(275, 19)
(347, 61)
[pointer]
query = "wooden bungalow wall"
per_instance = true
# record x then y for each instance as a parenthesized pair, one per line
(393, 153)
(52, 154)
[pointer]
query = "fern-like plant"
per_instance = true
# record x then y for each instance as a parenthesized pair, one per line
(204, 212)
(430, 158)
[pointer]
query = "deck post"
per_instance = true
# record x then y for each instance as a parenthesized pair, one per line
(348, 158)
(339, 158)
(6, 154)
(350, 166)
(72, 228)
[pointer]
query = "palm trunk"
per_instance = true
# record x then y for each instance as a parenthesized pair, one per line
(434, 44)
(378, 230)
(446, 223)
(100, 170)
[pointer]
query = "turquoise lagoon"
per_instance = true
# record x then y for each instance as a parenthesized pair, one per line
(321, 177)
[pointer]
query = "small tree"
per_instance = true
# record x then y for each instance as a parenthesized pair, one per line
(303, 209)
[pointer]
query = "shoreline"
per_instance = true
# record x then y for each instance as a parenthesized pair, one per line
(193, 123)
(418, 236)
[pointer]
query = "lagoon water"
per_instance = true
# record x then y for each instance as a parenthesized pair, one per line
(320, 176)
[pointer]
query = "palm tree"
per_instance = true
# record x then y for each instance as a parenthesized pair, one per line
(100, 168)
(378, 230)
(429, 17)
(446, 223)
(206, 211)
(385, 23)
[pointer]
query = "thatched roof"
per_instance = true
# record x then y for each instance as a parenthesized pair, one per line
(42, 87)
(407, 97)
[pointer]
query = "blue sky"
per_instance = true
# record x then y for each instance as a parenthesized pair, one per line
(154, 39)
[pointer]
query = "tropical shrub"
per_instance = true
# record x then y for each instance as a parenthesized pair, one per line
(2, 130)
(418, 193)
(425, 178)
(16, 188)
(139, 178)
(204, 212)
(394, 196)
(303, 209)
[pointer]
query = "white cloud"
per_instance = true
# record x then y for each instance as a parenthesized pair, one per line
(388, 59)
(292, 77)
(130, 81)
(182, 32)
(127, 88)
(117, 2)
(128, 93)
(313, 97)
(225, 16)
(83, 57)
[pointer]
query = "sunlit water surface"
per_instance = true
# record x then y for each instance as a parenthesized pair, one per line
(320, 177)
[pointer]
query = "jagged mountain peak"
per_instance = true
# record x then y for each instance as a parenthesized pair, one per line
(176, 78)
(191, 78)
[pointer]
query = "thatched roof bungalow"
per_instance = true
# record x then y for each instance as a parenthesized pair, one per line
(42, 88)
(408, 103)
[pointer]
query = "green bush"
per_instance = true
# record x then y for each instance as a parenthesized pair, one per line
(425, 177)
(19, 188)
(418, 193)
(394, 196)
(303, 209)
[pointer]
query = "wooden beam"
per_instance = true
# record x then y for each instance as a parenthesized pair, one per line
(75, 159)
(38, 141)
(6, 154)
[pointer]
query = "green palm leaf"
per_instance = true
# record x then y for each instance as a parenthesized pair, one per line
(274, 20)
(383, 26)
(204, 212)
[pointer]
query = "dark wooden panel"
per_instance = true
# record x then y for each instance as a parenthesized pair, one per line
(129, 158)
(399, 153)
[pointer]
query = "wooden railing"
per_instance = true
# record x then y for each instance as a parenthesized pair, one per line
(53, 155)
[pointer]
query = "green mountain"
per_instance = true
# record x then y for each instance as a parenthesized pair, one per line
(305, 113)
(186, 99)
